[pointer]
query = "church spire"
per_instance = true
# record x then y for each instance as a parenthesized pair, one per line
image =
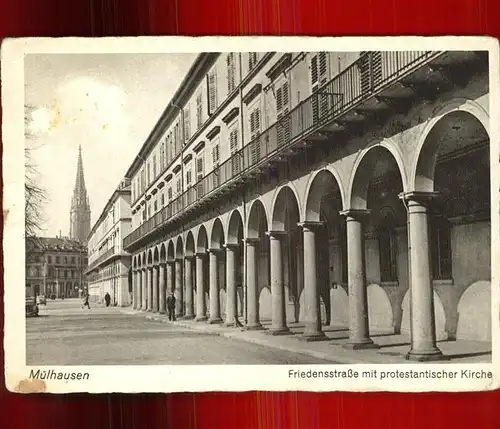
(80, 205)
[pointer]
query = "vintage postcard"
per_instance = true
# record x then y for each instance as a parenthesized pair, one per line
(221, 214)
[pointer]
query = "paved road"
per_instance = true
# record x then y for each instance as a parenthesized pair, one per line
(66, 334)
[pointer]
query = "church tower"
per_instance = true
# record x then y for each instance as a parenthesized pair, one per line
(80, 206)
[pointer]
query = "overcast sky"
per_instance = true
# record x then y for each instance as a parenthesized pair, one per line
(108, 104)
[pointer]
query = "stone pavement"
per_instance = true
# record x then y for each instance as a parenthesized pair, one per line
(392, 347)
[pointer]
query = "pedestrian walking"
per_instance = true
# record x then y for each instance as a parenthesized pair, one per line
(107, 298)
(171, 307)
(86, 301)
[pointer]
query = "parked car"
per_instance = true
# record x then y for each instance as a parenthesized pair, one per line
(31, 307)
(42, 300)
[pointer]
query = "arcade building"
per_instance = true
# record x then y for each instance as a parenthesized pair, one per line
(320, 190)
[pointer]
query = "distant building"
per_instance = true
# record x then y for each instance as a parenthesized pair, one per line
(80, 205)
(55, 267)
(109, 264)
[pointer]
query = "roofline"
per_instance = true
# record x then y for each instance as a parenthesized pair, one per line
(199, 67)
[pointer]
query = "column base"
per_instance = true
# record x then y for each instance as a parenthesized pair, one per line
(163, 312)
(150, 310)
(313, 336)
(426, 355)
(188, 317)
(279, 331)
(201, 319)
(214, 321)
(361, 345)
(254, 327)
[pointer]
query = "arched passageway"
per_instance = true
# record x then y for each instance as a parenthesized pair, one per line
(286, 260)
(377, 241)
(259, 306)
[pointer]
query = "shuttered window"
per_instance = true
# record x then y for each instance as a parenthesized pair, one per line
(199, 110)
(200, 168)
(370, 67)
(231, 72)
(254, 133)
(162, 156)
(215, 161)
(282, 110)
(319, 77)
(233, 147)
(212, 92)
(252, 60)
(154, 166)
(188, 177)
(178, 186)
(187, 123)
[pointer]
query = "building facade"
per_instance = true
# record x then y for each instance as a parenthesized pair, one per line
(109, 265)
(55, 267)
(321, 189)
(80, 205)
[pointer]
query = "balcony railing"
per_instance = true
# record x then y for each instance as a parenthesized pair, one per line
(368, 75)
(100, 259)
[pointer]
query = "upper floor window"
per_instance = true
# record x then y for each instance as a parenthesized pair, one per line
(187, 123)
(149, 173)
(49, 259)
(163, 199)
(199, 110)
(282, 110)
(215, 153)
(233, 147)
(254, 133)
(178, 186)
(231, 72)
(252, 60)
(188, 177)
(154, 166)
(370, 67)
(212, 91)
(162, 156)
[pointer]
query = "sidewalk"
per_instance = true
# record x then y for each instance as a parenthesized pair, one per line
(392, 347)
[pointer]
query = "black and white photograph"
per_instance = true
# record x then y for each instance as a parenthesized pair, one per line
(252, 209)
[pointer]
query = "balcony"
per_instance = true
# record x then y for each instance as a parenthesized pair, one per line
(103, 258)
(376, 84)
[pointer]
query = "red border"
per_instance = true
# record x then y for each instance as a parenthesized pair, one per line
(256, 410)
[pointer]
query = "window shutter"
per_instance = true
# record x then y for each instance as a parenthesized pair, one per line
(252, 60)
(199, 168)
(212, 91)
(314, 71)
(199, 110)
(233, 140)
(187, 123)
(231, 78)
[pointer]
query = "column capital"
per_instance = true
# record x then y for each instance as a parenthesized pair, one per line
(355, 214)
(251, 241)
(190, 257)
(231, 246)
(423, 198)
(215, 251)
(170, 261)
(162, 263)
(311, 225)
(276, 234)
(200, 254)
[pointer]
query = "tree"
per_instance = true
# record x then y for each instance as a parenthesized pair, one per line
(35, 195)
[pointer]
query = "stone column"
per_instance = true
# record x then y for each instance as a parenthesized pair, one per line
(189, 287)
(163, 301)
(214, 289)
(312, 330)
(150, 289)
(278, 326)
(359, 337)
(231, 293)
(200, 289)
(253, 320)
(134, 290)
(422, 318)
(179, 288)
(144, 282)
(155, 305)
(170, 277)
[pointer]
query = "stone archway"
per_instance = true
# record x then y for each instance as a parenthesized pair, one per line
(285, 259)
(259, 304)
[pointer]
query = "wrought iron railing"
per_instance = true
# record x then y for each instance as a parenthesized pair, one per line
(100, 259)
(365, 77)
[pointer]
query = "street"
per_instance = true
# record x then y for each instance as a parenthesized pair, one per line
(66, 334)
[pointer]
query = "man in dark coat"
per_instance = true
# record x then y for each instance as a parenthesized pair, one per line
(107, 298)
(171, 307)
